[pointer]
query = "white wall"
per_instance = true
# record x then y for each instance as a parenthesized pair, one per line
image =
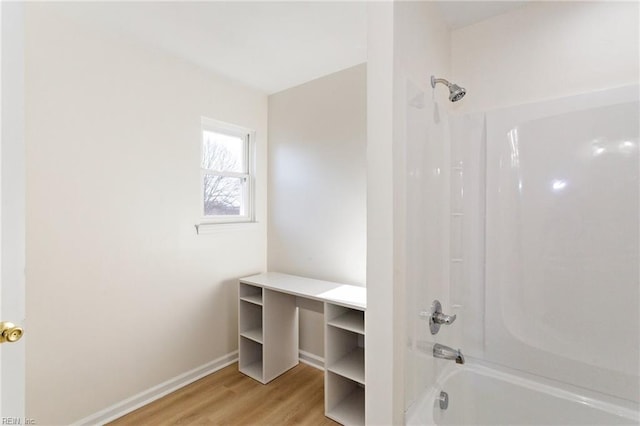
(546, 50)
(121, 293)
(380, 328)
(421, 182)
(408, 42)
(317, 186)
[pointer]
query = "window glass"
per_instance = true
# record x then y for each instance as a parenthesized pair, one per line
(223, 195)
(223, 153)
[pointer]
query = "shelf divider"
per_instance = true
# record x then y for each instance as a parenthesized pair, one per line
(254, 334)
(256, 299)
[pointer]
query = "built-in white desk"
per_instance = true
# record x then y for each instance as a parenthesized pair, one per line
(268, 341)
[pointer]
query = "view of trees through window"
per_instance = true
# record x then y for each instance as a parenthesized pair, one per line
(225, 174)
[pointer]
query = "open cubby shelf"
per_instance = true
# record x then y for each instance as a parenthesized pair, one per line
(351, 320)
(253, 370)
(250, 363)
(349, 411)
(250, 293)
(350, 366)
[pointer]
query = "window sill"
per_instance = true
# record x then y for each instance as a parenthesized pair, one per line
(215, 228)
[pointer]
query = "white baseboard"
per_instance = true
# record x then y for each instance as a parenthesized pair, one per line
(311, 359)
(143, 398)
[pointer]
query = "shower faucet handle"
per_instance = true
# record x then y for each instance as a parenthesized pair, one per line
(440, 318)
(436, 317)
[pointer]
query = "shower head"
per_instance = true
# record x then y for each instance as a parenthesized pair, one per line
(455, 92)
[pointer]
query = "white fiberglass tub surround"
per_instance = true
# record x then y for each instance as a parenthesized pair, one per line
(543, 271)
(485, 396)
(562, 225)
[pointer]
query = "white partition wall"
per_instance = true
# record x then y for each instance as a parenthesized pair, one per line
(420, 194)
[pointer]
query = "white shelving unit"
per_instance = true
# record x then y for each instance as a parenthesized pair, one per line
(250, 327)
(268, 336)
(344, 361)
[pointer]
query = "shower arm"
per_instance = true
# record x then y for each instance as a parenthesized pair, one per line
(435, 81)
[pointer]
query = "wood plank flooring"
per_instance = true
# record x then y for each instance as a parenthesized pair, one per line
(228, 397)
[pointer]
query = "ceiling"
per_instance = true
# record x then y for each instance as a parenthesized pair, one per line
(268, 45)
(462, 13)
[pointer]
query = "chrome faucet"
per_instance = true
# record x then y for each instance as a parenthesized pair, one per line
(445, 352)
(436, 317)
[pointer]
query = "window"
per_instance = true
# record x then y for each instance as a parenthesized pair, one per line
(226, 173)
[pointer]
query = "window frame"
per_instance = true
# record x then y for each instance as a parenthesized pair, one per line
(248, 196)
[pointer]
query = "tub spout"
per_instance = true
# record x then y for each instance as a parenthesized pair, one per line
(445, 352)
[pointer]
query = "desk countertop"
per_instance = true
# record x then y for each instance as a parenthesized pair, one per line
(351, 296)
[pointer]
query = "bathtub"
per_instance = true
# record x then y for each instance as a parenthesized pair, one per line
(479, 395)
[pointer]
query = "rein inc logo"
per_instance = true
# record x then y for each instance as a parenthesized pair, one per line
(17, 421)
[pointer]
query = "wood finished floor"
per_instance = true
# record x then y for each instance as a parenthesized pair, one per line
(228, 397)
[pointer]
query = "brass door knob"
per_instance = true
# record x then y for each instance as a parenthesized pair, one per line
(9, 332)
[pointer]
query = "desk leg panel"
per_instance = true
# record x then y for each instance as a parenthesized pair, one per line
(280, 327)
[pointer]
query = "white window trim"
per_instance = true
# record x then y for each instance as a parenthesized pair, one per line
(217, 227)
(207, 223)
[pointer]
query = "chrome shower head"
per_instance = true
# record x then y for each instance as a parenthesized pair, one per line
(455, 92)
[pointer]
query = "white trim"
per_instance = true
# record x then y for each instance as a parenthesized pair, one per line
(310, 359)
(216, 125)
(145, 397)
(217, 227)
(225, 174)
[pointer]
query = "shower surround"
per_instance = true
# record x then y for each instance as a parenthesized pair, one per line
(542, 262)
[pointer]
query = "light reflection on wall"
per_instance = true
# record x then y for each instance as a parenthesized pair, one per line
(559, 184)
(627, 147)
(599, 147)
(515, 150)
